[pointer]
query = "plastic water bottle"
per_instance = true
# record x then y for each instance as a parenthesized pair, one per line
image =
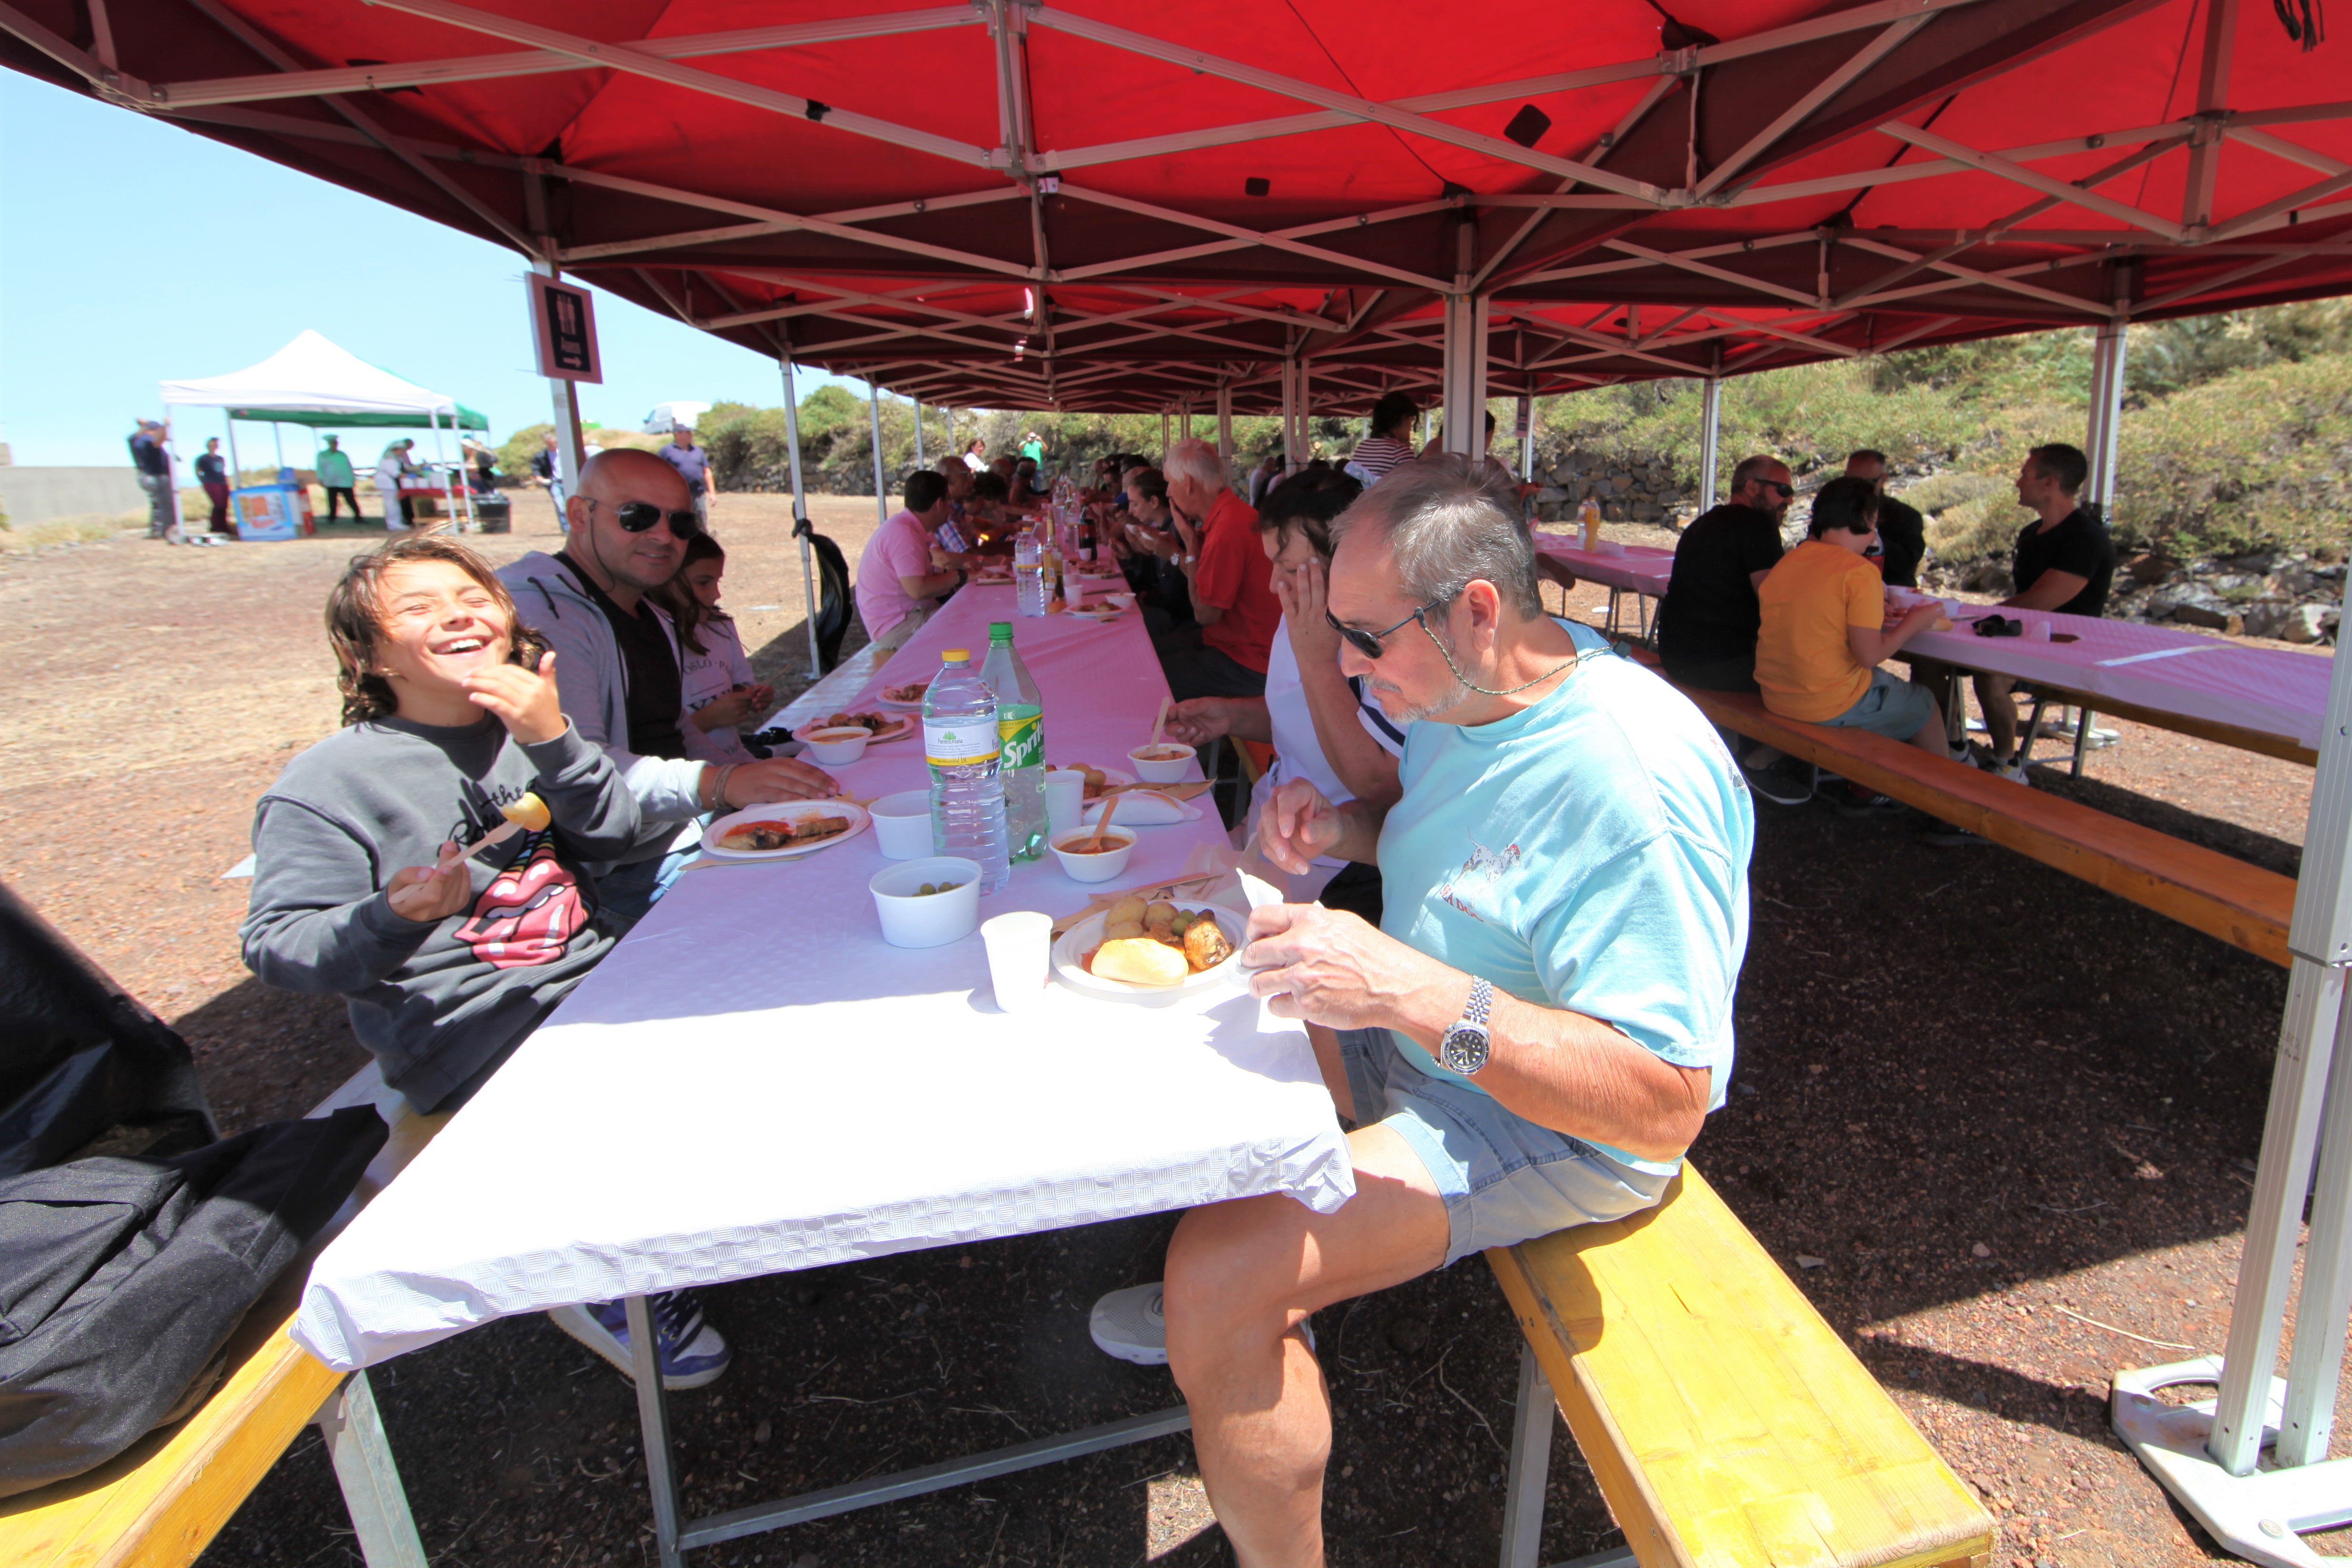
(1029, 573)
(1021, 732)
(961, 742)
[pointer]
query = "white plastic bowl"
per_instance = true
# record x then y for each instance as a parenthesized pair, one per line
(1118, 844)
(835, 746)
(902, 824)
(929, 920)
(1161, 770)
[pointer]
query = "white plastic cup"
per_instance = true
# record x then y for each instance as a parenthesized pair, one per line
(2037, 629)
(1065, 798)
(902, 824)
(1018, 944)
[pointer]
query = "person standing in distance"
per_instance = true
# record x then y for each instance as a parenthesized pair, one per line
(336, 478)
(212, 473)
(693, 465)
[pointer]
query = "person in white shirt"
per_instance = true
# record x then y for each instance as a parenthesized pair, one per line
(399, 511)
(1321, 724)
(973, 458)
(717, 693)
(693, 465)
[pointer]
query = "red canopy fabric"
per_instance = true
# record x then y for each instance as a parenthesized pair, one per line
(1115, 205)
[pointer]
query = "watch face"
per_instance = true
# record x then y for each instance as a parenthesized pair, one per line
(1464, 1049)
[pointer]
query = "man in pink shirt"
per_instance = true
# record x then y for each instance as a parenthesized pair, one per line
(897, 587)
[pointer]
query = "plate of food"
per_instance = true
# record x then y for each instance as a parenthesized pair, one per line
(1145, 807)
(782, 830)
(1150, 955)
(1099, 780)
(880, 727)
(1094, 612)
(907, 698)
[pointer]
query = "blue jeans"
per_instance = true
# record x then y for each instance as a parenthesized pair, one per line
(628, 891)
(1504, 1179)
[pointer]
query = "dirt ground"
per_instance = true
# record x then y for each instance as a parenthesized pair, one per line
(2012, 1118)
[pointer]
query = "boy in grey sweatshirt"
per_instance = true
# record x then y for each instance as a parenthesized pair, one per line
(357, 889)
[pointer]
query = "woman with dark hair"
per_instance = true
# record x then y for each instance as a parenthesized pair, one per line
(1824, 631)
(1321, 724)
(715, 683)
(1391, 441)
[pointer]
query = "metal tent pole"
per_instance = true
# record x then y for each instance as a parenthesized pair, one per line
(1710, 439)
(565, 399)
(2106, 410)
(228, 422)
(1163, 436)
(1463, 392)
(1184, 422)
(801, 528)
(881, 491)
(1527, 443)
(278, 434)
(1289, 424)
(1301, 405)
(919, 434)
(2210, 1455)
(1225, 425)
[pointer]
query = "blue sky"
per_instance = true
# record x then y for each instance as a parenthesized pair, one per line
(132, 251)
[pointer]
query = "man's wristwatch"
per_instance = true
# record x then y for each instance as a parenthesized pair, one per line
(1464, 1049)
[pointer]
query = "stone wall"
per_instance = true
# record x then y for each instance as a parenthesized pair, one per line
(1633, 489)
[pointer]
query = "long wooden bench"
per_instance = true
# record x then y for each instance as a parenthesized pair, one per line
(2219, 895)
(158, 1503)
(1727, 1425)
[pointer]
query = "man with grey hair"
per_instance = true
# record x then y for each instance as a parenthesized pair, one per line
(1540, 1023)
(1223, 651)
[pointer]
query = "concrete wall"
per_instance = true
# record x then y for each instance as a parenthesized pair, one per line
(36, 494)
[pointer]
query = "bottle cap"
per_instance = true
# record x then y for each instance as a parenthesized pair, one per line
(1000, 630)
(956, 656)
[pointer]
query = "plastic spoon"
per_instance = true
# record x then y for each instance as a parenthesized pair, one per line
(1160, 723)
(1102, 825)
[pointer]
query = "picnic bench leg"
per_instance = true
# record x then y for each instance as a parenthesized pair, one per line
(653, 1419)
(370, 1480)
(2032, 729)
(1522, 1487)
(2082, 738)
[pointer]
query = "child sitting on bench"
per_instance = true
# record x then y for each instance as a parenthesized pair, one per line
(365, 879)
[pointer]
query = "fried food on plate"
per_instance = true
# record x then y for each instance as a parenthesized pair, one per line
(1205, 946)
(784, 834)
(1141, 961)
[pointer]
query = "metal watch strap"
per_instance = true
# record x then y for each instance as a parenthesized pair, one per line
(1482, 998)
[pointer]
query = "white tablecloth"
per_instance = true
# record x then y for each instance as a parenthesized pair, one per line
(2209, 678)
(1642, 569)
(754, 1082)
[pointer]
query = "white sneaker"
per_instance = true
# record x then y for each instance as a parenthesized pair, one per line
(1132, 1325)
(1965, 757)
(2013, 770)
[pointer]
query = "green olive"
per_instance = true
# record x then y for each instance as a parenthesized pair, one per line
(925, 890)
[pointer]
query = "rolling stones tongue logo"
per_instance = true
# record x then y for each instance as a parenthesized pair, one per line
(528, 914)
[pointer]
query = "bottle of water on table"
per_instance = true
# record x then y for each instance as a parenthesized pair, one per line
(961, 742)
(1029, 573)
(1021, 732)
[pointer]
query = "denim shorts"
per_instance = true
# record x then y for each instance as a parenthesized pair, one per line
(1504, 1179)
(1892, 708)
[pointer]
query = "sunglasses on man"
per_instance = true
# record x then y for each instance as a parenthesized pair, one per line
(636, 517)
(1368, 643)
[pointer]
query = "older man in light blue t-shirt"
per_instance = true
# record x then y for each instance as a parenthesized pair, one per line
(1540, 1024)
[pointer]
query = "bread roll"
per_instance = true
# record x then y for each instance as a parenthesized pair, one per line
(1141, 961)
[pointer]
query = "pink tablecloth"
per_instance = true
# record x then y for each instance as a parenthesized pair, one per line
(2210, 678)
(1642, 569)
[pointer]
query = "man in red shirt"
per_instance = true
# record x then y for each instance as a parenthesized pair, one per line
(1222, 653)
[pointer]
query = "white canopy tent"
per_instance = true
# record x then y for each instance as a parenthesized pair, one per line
(315, 381)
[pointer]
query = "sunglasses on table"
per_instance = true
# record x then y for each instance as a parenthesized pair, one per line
(1368, 643)
(636, 517)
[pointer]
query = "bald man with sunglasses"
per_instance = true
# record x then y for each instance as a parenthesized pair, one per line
(1537, 1027)
(617, 665)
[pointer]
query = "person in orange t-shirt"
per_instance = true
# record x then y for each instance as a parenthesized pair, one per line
(1222, 652)
(1821, 643)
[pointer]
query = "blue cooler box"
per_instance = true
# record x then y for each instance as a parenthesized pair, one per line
(272, 512)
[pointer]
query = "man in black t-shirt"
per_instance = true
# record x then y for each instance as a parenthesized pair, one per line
(1902, 531)
(1707, 621)
(2064, 562)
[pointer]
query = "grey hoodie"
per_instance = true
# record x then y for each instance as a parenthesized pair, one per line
(436, 1001)
(594, 686)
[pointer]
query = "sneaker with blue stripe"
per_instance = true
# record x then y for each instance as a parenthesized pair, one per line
(691, 1353)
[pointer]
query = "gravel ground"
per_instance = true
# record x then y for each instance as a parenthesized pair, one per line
(2013, 1117)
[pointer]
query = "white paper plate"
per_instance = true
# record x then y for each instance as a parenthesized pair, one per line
(1145, 808)
(1086, 935)
(892, 704)
(899, 731)
(786, 812)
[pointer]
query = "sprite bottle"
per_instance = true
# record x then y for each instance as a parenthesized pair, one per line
(1021, 726)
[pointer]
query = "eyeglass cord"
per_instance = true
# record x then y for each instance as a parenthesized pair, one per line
(1447, 654)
